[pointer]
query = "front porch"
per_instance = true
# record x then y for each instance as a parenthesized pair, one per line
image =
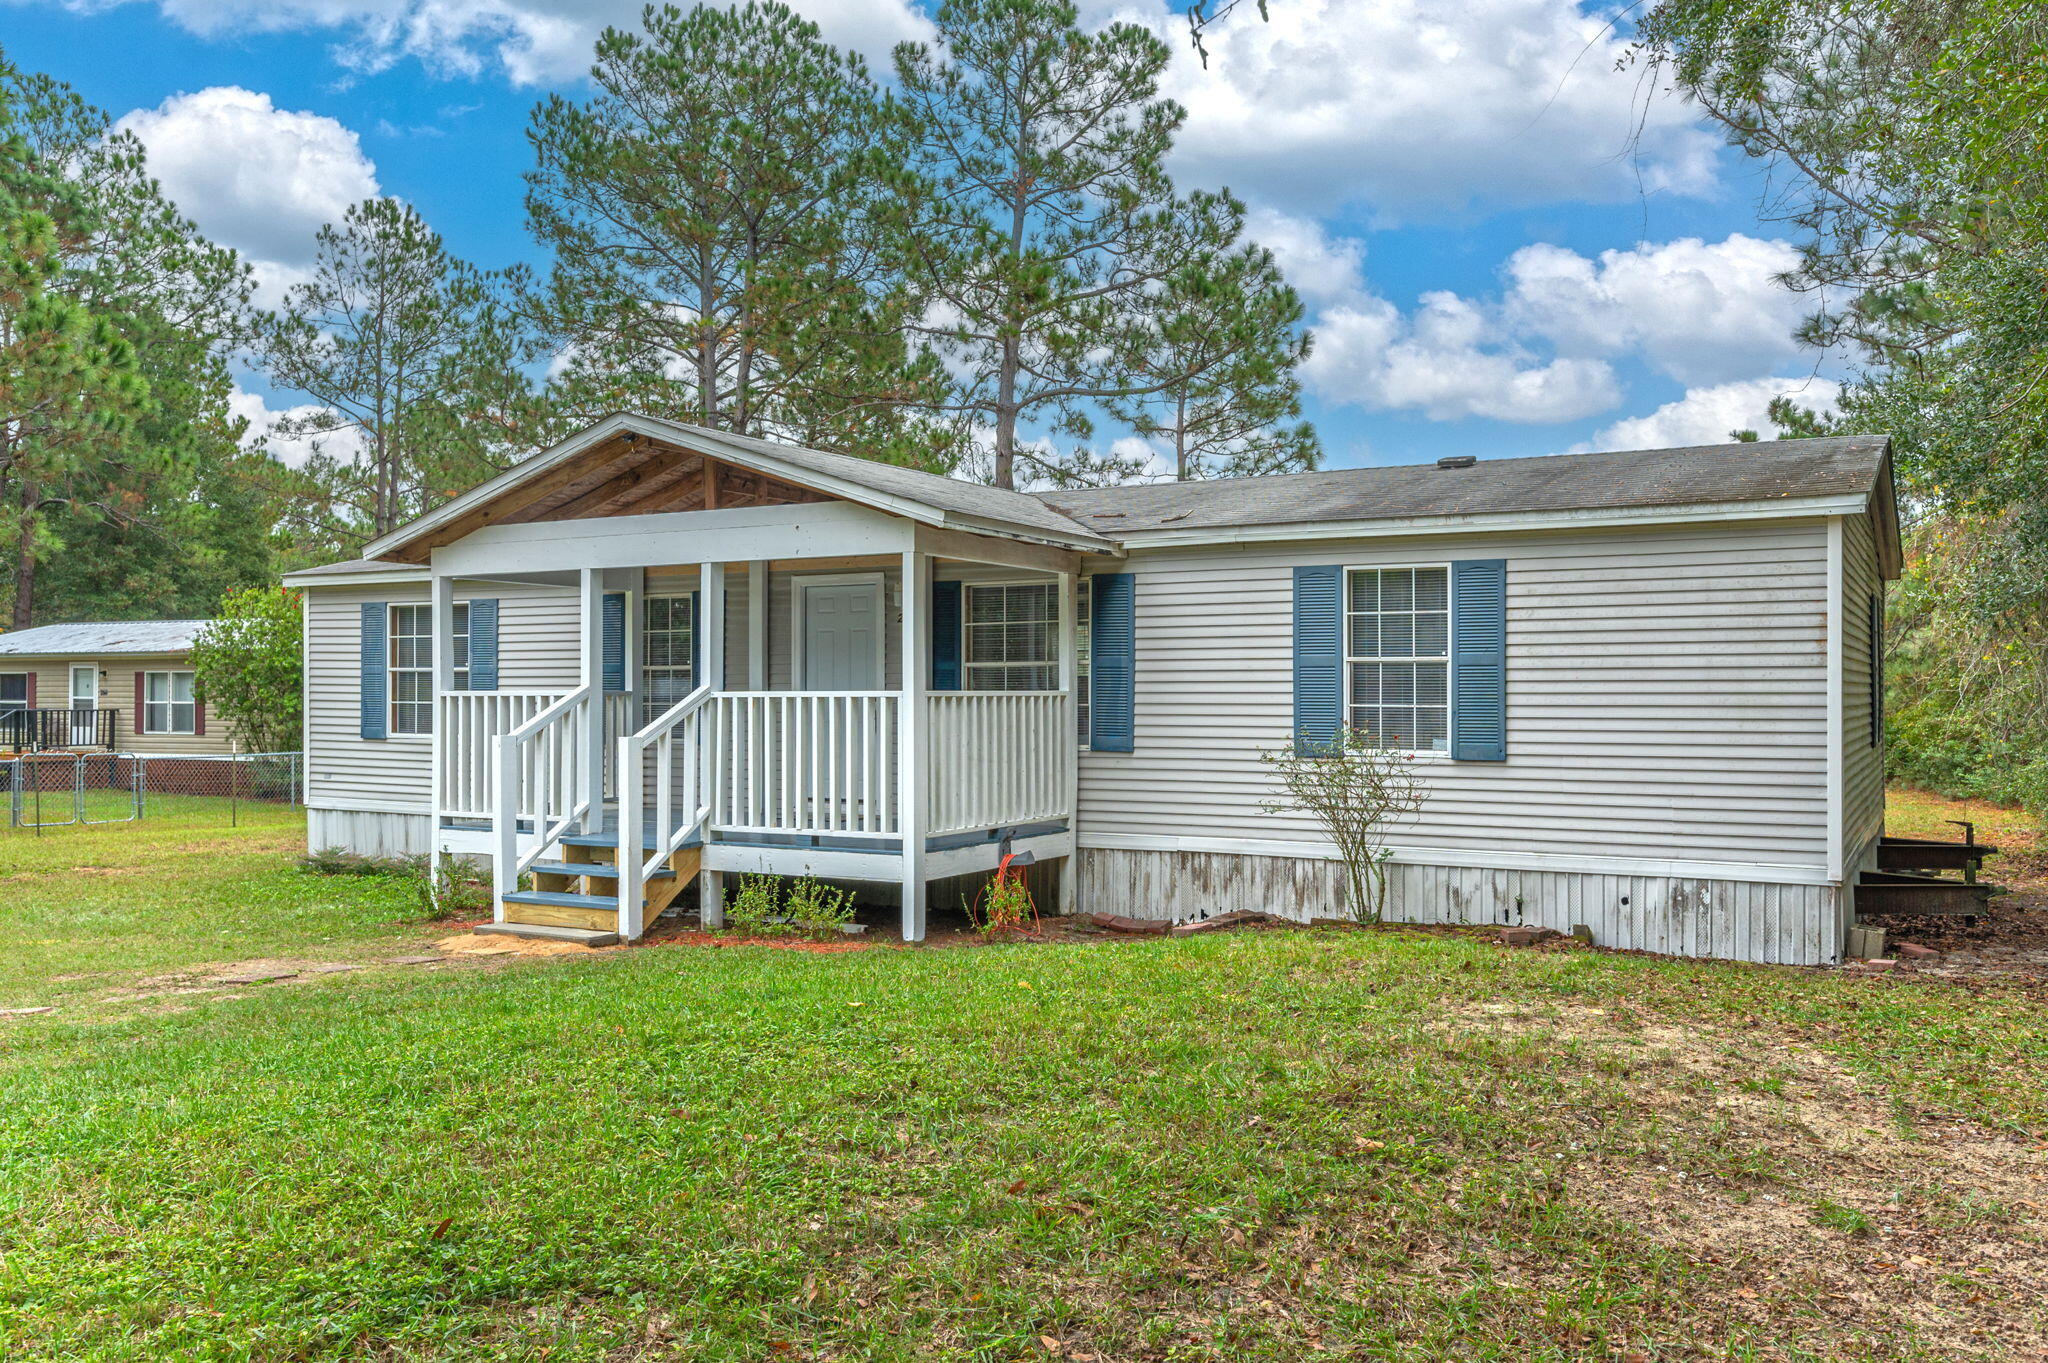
(760, 716)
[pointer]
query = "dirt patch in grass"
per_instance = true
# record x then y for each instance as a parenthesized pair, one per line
(1808, 1197)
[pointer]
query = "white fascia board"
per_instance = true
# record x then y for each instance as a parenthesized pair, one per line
(354, 579)
(813, 530)
(622, 424)
(1593, 518)
(1764, 873)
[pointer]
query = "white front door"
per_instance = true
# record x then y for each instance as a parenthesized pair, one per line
(85, 702)
(839, 635)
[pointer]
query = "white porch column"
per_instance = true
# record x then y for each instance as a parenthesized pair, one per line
(711, 648)
(910, 724)
(1067, 746)
(757, 625)
(590, 588)
(441, 615)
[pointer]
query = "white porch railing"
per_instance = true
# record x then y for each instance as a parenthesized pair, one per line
(668, 756)
(621, 717)
(542, 776)
(821, 763)
(996, 758)
(468, 728)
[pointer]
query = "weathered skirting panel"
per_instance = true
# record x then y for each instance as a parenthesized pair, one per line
(371, 832)
(1679, 915)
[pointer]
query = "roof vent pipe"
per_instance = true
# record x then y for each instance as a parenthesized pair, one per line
(1457, 461)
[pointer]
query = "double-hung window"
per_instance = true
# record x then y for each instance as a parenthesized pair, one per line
(1011, 637)
(168, 706)
(13, 692)
(459, 646)
(668, 654)
(1397, 655)
(412, 669)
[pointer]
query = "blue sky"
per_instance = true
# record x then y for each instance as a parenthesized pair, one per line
(1508, 245)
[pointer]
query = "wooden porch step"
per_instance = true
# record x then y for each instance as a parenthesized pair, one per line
(549, 932)
(562, 899)
(596, 870)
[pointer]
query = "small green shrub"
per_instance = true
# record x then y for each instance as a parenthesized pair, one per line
(814, 906)
(461, 888)
(337, 861)
(757, 908)
(1004, 905)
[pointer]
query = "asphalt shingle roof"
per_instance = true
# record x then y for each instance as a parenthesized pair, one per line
(82, 640)
(1769, 470)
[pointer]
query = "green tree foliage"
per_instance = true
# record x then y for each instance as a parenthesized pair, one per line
(411, 362)
(1048, 242)
(1225, 350)
(247, 662)
(1914, 134)
(158, 511)
(720, 219)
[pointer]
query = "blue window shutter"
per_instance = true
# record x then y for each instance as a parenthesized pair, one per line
(1479, 660)
(945, 636)
(612, 654)
(376, 681)
(483, 644)
(1318, 656)
(1113, 663)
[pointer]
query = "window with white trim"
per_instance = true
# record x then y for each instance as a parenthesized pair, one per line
(1010, 639)
(459, 647)
(168, 706)
(1084, 619)
(668, 653)
(412, 669)
(1397, 655)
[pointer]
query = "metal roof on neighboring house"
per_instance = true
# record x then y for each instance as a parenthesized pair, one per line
(355, 565)
(83, 640)
(1745, 471)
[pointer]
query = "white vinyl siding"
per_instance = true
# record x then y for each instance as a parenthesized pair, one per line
(1862, 760)
(538, 636)
(1010, 636)
(1397, 660)
(1666, 696)
(169, 707)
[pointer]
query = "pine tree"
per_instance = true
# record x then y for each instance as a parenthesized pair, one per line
(395, 341)
(716, 217)
(1226, 347)
(1048, 234)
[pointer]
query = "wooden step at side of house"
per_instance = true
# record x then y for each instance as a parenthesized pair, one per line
(581, 893)
(563, 909)
(548, 932)
(591, 870)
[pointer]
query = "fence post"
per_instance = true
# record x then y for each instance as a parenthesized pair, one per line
(138, 767)
(234, 790)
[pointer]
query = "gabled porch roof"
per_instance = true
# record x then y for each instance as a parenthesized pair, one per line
(564, 480)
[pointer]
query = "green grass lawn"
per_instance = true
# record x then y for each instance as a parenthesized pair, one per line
(1267, 1145)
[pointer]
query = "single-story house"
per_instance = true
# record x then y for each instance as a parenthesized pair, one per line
(124, 686)
(1641, 686)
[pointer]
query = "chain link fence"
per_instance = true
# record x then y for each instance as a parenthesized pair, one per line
(72, 789)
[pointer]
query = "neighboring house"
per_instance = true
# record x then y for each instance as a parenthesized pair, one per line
(1640, 685)
(124, 687)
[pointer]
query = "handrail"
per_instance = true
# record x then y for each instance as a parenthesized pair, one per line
(561, 765)
(670, 717)
(670, 833)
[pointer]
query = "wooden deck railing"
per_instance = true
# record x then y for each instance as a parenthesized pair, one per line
(468, 728)
(46, 729)
(821, 763)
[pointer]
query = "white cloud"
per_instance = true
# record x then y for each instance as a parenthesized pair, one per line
(1700, 312)
(293, 451)
(1705, 416)
(1406, 106)
(253, 176)
(1450, 358)
(531, 42)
